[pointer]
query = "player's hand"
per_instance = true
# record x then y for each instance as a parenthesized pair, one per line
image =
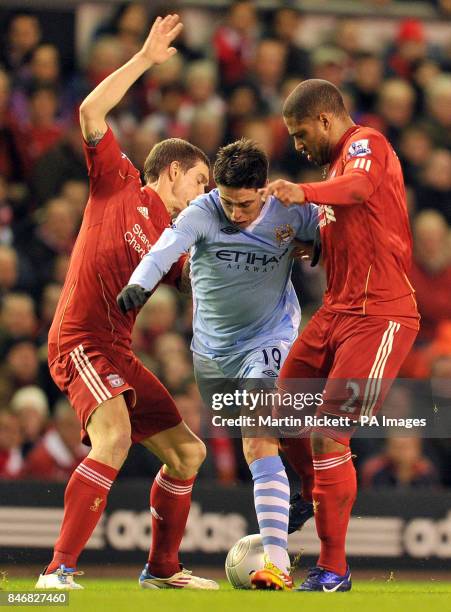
(288, 193)
(157, 49)
(132, 297)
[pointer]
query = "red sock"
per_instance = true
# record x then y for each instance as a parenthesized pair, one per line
(84, 502)
(170, 501)
(299, 453)
(334, 494)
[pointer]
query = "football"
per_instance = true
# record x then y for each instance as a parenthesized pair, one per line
(244, 558)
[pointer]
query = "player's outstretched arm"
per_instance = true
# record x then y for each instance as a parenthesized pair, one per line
(156, 50)
(346, 190)
(191, 226)
(155, 264)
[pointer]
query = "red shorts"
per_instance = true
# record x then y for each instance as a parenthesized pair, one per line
(359, 356)
(89, 376)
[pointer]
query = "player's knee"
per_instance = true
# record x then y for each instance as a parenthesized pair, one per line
(121, 440)
(113, 441)
(109, 429)
(193, 457)
(322, 444)
(257, 448)
(201, 453)
(187, 459)
(250, 450)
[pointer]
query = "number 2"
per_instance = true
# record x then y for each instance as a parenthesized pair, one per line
(354, 387)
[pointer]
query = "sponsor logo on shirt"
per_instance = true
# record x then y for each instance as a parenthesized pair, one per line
(359, 148)
(144, 211)
(250, 262)
(284, 234)
(137, 240)
(115, 380)
(326, 215)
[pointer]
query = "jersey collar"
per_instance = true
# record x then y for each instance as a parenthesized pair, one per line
(338, 147)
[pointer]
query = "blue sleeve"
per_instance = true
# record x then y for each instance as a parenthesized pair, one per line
(309, 222)
(191, 226)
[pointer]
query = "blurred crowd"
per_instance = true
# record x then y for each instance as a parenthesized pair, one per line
(211, 94)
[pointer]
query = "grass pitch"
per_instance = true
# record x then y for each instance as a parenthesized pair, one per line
(366, 596)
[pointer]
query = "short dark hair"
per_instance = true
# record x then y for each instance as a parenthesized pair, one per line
(312, 97)
(241, 164)
(169, 150)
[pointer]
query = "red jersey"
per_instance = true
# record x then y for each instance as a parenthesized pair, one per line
(121, 222)
(365, 233)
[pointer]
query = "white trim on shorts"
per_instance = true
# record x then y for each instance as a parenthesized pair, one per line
(89, 375)
(374, 382)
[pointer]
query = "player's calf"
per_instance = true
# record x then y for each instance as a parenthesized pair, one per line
(170, 498)
(272, 500)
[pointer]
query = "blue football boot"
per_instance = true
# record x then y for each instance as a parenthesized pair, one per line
(319, 579)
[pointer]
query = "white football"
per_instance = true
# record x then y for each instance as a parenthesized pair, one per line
(244, 558)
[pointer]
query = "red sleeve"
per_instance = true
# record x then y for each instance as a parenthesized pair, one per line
(173, 276)
(106, 162)
(352, 188)
(365, 159)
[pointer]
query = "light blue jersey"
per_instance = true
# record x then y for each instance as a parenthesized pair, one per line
(243, 295)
